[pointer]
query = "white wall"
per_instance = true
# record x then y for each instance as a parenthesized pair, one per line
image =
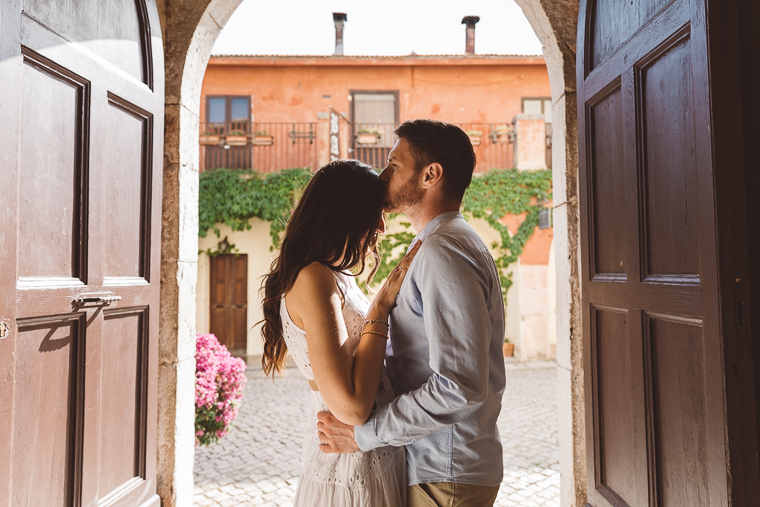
(255, 243)
(530, 312)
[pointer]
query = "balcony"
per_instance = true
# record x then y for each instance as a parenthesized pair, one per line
(493, 143)
(266, 147)
(270, 147)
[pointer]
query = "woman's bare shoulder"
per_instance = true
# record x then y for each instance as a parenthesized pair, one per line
(313, 280)
(312, 293)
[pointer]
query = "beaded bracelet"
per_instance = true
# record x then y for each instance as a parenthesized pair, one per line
(375, 332)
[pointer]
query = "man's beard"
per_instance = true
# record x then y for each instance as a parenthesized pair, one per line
(403, 199)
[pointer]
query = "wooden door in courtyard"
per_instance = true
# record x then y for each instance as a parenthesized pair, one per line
(653, 321)
(229, 300)
(81, 147)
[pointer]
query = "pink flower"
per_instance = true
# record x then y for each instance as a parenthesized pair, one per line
(220, 381)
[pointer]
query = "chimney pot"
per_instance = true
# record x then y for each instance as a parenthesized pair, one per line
(470, 22)
(339, 18)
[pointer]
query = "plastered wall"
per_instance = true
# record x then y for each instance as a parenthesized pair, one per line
(528, 311)
(454, 90)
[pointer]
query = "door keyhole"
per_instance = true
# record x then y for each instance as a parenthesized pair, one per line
(4, 328)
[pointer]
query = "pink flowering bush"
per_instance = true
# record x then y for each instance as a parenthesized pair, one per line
(219, 382)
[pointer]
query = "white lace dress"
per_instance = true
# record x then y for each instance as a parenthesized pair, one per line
(373, 479)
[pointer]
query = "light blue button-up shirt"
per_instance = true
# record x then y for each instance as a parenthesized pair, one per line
(445, 361)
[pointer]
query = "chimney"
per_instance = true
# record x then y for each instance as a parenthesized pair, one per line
(470, 21)
(339, 18)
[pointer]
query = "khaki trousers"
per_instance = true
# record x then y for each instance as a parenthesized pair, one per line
(449, 494)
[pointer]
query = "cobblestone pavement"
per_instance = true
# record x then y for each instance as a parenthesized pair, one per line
(259, 461)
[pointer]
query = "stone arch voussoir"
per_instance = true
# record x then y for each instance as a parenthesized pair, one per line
(190, 28)
(556, 23)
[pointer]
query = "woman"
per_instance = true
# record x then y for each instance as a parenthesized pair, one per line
(314, 310)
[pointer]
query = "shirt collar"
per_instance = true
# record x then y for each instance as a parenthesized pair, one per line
(433, 225)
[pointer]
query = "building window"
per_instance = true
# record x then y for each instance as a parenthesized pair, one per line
(374, 115)
(228, 115)
(538, 105)
(229, 110)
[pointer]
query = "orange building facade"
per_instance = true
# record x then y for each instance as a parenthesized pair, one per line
(293, 103)
(270, 113)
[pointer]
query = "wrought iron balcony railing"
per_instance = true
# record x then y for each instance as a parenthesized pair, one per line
(493, 143)
(269, 147)
(266, 147)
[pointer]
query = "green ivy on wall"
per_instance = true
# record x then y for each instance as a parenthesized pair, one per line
(232, 197)
(497, 193)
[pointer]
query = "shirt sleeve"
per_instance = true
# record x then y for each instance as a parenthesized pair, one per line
(454, 289)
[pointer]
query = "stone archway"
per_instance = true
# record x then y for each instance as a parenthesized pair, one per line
(190, 29)
(555, 23)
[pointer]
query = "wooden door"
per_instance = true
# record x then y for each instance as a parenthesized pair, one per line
(229, 301)
(81, 138)
(654, 324)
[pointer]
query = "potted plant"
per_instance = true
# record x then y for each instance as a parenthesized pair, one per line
(262, 138)
(476, 136)
(368, 136)
(508, 348)
(237, 138)
(210, 137)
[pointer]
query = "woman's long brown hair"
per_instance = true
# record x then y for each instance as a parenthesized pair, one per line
(335, 223)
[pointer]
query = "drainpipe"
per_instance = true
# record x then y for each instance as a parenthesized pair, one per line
(470, 21)
(339, 18)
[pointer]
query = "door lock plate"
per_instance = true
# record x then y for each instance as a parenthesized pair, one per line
(5, 330)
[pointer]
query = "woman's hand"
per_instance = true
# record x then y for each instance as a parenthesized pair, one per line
(385, 299)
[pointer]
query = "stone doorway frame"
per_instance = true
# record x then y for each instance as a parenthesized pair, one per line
(190, 28)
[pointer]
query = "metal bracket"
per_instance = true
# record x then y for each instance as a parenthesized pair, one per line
(310, 135)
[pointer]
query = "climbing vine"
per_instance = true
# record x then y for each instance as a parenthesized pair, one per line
(502, 192)
(492, 196)
(232, 197)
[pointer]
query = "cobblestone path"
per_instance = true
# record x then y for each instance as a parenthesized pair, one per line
(258, 462)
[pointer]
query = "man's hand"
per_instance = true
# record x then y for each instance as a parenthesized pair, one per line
(335, 436)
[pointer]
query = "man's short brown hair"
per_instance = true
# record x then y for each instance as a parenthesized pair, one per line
(434, 141)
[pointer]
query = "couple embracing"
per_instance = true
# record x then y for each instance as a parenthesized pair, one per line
(406, 389)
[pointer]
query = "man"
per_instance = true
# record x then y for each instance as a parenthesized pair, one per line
(444, 355)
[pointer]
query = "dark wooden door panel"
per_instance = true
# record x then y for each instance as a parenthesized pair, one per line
(47, 414)
(651, 306)
(625, 17)
(117, 34)
(234, 157)
(679, 408)
(83, 140)
(127, 190)
(239, 300)
(620, 426)
(607, 195)
(52, 201)
(669, 172)
(229, 300)
(124, 397)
